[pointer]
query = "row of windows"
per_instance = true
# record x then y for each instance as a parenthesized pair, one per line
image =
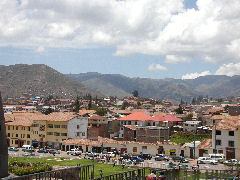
(16, 135)
(230, 133)
(20, 128)
(56, 134)
(219, 143)
(57, 126)
(79, 133)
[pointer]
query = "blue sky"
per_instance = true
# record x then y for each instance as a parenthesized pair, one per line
(173, 39)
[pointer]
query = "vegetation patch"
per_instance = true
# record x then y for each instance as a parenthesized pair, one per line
(187, 137)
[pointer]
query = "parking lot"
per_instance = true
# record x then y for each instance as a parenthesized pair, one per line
(147, 163)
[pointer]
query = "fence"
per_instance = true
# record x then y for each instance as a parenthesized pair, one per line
(175, 174)
(138, 174)
(73, 173)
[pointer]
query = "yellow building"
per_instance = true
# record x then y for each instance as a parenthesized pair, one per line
(46, 130)
(18, 129)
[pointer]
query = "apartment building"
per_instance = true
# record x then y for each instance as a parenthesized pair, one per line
(226, 137)
(44, 130)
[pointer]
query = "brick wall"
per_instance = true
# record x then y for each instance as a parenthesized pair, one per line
(151, 135)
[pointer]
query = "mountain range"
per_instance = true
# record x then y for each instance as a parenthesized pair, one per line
(174, 89)
(39, 79)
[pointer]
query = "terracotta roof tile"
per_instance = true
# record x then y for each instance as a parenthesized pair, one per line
(206, 144)
(136, 116)
(167, 117)
(228, 123)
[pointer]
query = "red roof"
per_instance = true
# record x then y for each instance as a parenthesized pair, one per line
(136, 116)
(164, 118)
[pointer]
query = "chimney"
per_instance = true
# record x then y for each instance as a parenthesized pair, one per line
(3, 144)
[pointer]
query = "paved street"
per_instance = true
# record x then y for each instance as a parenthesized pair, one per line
(147, 163)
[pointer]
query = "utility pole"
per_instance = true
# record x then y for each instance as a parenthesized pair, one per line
(194, 145)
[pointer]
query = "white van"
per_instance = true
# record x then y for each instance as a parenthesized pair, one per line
(27, 148)
(217, 157)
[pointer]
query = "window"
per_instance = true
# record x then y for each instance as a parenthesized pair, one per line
(8, 134)
(64, 134)
(50, 126)
(153, 123)
(78, 133)
(28, 135)
(16, 135)
(8, 127)
(205, 151)
(49, 133)
(231, 133)
(135, 122)
(56, 126)
(28, 128)
(83, 134)
(192, 125)
(231, 143)
(16, 141)
(129, 122)
(186, 124)
(218, 132)
(77, 126)
(35, 125)
(56, 134)
(64, 126)
(13, 127)
(218, 142)
(134, 149)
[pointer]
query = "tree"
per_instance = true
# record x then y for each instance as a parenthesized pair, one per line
(90, 102)
(76, 105)
(47, 111)
(101, 111)
(193, 101)
(179, 110)
(135, 93)
(124, 105)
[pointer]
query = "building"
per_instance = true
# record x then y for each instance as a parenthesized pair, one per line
(234, 110)
(152, 134)
(225, 137)
(135, 118)
(191, 126)
(44, 130)
(3, 144)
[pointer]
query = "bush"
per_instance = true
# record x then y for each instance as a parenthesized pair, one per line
(23, 168)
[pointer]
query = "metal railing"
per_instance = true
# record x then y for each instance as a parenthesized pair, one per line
(73, 173)
(137, 174)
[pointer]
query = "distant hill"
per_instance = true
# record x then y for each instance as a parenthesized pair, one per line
(38, 79)
(174, 89)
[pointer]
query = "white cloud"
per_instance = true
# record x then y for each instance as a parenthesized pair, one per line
(230, 69)
(156, 67)
(40, 49)
(150, 27)
(195, 75)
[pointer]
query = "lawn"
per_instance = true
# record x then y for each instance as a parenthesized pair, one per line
(106, 168)
(187, 137)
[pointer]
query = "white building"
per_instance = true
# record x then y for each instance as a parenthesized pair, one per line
(191, 126)
(226, 137)
(77, 128)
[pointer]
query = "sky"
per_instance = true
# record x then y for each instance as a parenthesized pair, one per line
(181, 39)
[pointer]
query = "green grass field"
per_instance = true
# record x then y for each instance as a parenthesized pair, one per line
(106, 168)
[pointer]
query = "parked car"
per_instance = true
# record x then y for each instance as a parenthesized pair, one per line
(231, 162)
(110, 154)
(218, 157)
(42, 151)
(177, 158)
(13, 149)
(53, 151)
(207, 160)
(145, 156)
(27, 148)
(125, 156)
(137, 159)
(161, 157)
(75, 152)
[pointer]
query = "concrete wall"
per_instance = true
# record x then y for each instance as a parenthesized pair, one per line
(77, 128)
(3, 144)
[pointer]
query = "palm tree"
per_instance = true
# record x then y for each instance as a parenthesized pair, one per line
(3, 144)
